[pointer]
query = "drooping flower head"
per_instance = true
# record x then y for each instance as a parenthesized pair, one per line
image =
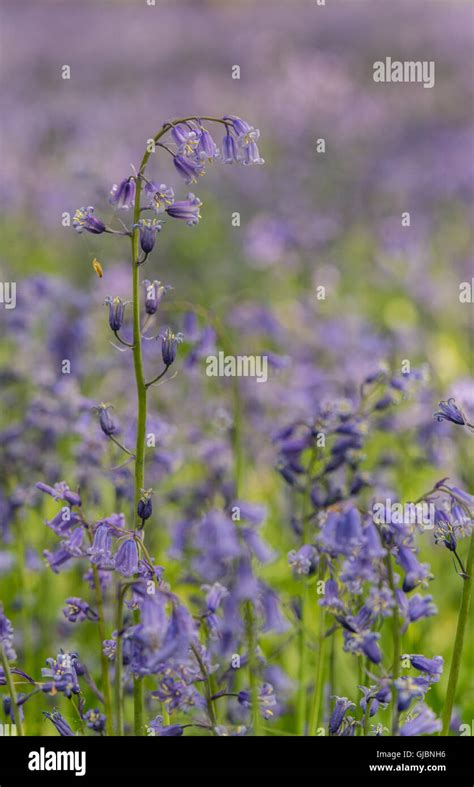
(84, 220)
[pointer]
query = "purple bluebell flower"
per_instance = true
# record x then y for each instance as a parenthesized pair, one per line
(409, 689)
(449, 411)
(154, 292)
(6, 636)
(189, 170)
(431, 667)
(95, 720)
(159, 197)
(84, 219)
(116, 312)
(144, 507)
(62, 675)
(148, 230)
(122, 195)
(444, 532)
(342, 532)
(186, 138)
(340, 709)
(331, 600)
(78, 610)
(214, 595)
(423, 723)
(165, 731)
(303, 560)
(63, 521)
(229, 149)
(126, 558)
(207, 149)
(100, 552)
(108, 424)
(60, 723)
(266, 700)
(169, 344)
(60, 491)
(187, 210)
(415, 572)
(175, 693)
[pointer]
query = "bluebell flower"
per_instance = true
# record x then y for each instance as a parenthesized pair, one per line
(409, 689)
(108, 425)
(214, 595)
(148, 230)
(122, 195)
(341, 707)
(145, 507)
(266, 700)
(159, 197)
(100, 552)
(431, 667)
(60, 723)
(62, 675)
(6, 636)
(444, 532)
(175, 694)
(187, 210)
(60, 491)
(126, 558)
(303, 560)
(154, 292)
(186, 138)
(423, 723)
(207, 149)
(78, 610)
(116, 312)
(165, 730)
(169, 344)
(342, 532)
(84, 219)
(189, 169)
(331, 600)
(229, 149)
(95, 720)
(378, 699)
(449, 411)
(415, 572)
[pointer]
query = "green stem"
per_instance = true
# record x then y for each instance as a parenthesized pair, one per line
(207, 687)
(318, 689)
(367, 717)
(458, 642)
(137, 694)
(106, 688)
(253, 667)
(11, 690)
(118, 662)
(396, 640)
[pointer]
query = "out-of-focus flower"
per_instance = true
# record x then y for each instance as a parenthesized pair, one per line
(78, 610)
(266, 700)
(126, 558)
(424, 722)
(95, 720)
